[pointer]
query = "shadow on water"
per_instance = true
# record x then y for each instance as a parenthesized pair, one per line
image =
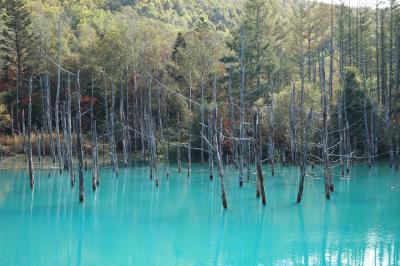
(220, 241)
(259, 232)
(81, 238)
(303, 233)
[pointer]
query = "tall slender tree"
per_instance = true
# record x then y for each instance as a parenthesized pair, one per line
(17, 44)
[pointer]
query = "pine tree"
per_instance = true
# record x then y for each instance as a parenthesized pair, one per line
(17, 43)
(259, 30)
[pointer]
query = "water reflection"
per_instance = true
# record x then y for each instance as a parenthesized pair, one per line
(181, 222)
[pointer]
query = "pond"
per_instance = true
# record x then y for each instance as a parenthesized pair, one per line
(130, 221)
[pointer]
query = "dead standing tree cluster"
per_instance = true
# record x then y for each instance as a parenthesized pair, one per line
(138, 126)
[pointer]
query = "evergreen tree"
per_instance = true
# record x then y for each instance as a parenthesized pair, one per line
(17, 43)
(259, 34)
(180, 43)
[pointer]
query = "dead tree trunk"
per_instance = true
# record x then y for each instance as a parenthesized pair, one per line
(159, 106)
(56, 109)
(304, 157)
(127, 124)
(389, 130)
(49, 122)
(112, 136)
(124, 128)
(38, 144)
(108, 124)
(292, 122)
(43, 148)
(325, 155)
(367, 137)
(347, 134)
(364, 81)
(30, 162)
(397, 85)
(241, 125)
(210, 150)
(233, 123)
(79, 141)
(154, 150)
(149, 122)
(178, 147)
(257, 144)
(190, 129)
(202, 118)
(397, 140)
(96, 154)
(217, 147)
(24, 144)
(65, 136)
(166, 136)
(12, 120)
(69, 133)
(341, 138)
(94, 142)
(271, 135)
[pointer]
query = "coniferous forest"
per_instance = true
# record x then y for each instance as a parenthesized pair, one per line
(239, 88)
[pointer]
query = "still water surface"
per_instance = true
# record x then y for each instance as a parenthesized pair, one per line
(129, 221)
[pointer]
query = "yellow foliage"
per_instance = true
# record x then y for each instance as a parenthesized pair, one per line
(5, 117)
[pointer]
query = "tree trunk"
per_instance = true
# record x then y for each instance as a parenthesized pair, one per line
(178, 147)
(241, 125)
(210, 151)
(49, 121)
(56, 111)
(202, 118)
(304, 157)
(30, 162)
(79, 141)
(326, 160)
(271, 135)
(341, 138)
(233, 124)
(69, 133)
(292, 122)
(259, 174)
(377, 50)
(190, 128)
(94, 142)
(217, 147)
(112, 136)
(124, 127)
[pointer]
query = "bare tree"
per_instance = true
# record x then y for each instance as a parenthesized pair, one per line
(56, 110)
(233, 123)
(257, 144)
(30, 162)
(178, 147)
(304, 156)
(69, 132)
(79, 140)
(242, 114)
(190, 127)
(271, 113)
(124, 127)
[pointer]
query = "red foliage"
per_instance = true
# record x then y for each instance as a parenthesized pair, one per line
(4, 86)
(86, 102)
(24, 101)
(227, 144)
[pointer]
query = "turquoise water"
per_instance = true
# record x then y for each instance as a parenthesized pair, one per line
(129, 221)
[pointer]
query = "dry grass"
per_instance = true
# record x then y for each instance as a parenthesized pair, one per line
(14, 145)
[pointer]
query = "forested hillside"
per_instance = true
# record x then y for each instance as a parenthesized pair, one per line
(224, 14)
(253, 81)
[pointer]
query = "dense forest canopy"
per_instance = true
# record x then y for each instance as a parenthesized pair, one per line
(296, 77)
